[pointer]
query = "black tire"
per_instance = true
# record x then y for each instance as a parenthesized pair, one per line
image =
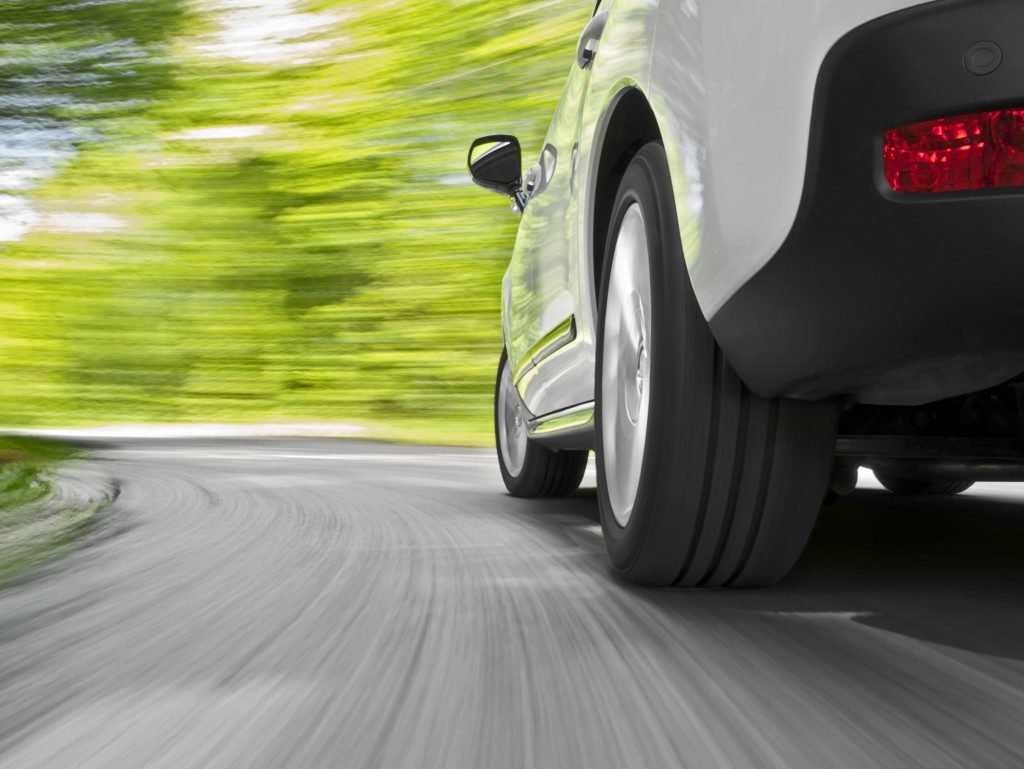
(730, 483)
(915, 486)
(544, 473)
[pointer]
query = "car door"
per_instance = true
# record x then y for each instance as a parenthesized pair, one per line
(544, 275)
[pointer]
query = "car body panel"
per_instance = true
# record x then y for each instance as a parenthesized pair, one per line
(883, 297)
(550, 276)
(732, 88)
(543, 280)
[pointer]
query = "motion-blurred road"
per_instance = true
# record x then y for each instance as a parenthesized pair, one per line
(302, 603)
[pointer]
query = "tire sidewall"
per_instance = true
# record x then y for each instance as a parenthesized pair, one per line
(646, 182)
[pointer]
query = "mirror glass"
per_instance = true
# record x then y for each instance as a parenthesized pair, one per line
(495, 162)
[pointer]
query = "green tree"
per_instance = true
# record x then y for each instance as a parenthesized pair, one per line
(275, 227)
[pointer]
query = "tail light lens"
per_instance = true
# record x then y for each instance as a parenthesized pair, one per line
(966, 152)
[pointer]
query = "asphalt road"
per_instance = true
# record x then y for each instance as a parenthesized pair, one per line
(288, 603)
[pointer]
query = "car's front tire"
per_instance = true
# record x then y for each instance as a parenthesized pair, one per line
(700, 481)
(528, 468)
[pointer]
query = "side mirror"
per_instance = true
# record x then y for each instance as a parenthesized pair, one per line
(496, 163)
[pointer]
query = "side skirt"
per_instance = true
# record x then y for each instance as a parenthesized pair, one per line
(568, 429)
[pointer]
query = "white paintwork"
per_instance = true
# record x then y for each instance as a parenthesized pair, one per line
(543, 278)
(731, 83)
(732, 87)
(623, 59)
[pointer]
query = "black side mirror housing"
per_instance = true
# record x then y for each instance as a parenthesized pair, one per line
(499, 166)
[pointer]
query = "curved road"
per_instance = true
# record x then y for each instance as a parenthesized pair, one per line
(303, 603)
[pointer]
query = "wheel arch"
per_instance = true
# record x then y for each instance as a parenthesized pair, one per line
(629, 124)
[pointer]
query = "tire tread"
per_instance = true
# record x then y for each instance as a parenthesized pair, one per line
(736, 479)
(545, 473)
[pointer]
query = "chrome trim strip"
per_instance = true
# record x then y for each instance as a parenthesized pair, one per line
(553, 341)
(580, 415)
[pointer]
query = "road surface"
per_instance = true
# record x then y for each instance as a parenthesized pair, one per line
(315, 603)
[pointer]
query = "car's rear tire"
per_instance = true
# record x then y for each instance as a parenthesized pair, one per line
(527, 468)
(916, 486)
(700, 481)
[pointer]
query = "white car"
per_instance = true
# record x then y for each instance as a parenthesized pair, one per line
(766, 243)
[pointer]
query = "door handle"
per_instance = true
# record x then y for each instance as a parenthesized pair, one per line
(586, 49)
(541, 173)
(574, 161)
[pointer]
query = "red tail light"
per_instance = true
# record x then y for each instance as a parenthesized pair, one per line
(967, 152)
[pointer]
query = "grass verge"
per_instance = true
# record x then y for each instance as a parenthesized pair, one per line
(37, 523)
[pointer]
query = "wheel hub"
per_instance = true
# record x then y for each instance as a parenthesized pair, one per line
(626, 366)
(634, 379)
(512, 431)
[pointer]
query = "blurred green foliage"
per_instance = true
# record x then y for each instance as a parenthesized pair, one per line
(266, 215)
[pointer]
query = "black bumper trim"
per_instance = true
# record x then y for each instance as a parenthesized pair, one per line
(892, 299)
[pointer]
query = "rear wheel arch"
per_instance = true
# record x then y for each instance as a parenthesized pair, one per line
(630, 124)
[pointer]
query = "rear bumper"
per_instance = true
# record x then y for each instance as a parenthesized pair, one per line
(892, 299)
